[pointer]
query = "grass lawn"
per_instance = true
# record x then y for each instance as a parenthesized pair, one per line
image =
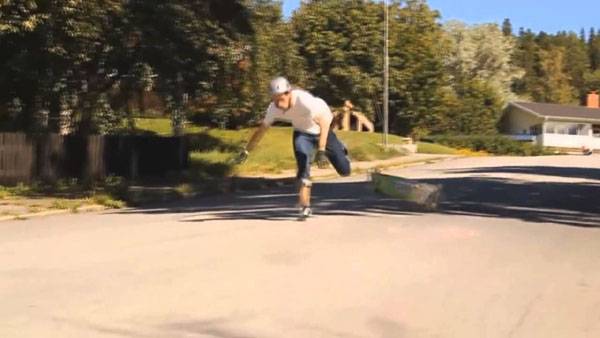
(212, 155)
(63, 195)
(433, 148)
(213, 149)
(162, 126)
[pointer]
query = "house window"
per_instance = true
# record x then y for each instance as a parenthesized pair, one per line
(561, 130)
(535, 130)
(596, 130)
(573, 129)
(550, 129)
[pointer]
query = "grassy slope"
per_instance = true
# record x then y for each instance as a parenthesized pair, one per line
(432, 148)
(274, 153)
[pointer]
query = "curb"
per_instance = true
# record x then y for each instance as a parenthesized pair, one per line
(86, 208)
(239, 183)
(401, 165)
(257, 183)
(366, 169)
(37, 214)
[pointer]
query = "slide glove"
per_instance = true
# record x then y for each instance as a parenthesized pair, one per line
(322, 160)
(241, 157)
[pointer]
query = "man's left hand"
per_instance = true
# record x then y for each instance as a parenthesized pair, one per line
(241, 157)
(322, 160)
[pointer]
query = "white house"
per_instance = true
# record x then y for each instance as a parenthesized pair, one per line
(555, 125)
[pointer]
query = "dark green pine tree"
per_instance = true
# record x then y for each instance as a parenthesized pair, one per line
(526, 58)
(507, 27)
(576, 64)
(594, 50)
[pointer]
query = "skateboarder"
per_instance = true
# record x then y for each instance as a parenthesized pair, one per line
(311, 118)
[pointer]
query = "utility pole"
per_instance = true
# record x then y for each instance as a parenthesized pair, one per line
(386, 76)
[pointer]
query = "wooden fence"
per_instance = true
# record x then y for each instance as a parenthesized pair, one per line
(16, 158)
(49, 157)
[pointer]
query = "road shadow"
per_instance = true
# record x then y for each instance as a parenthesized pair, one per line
(572, 172)
(220, 327)
(217, 328)
(572, 204)
(279, 204)
(568, 203)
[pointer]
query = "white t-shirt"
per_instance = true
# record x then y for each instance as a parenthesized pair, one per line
(302, 114)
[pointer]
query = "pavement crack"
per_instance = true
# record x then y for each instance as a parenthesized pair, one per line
(526, 312)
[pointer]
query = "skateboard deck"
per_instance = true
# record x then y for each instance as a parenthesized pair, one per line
(427, 195)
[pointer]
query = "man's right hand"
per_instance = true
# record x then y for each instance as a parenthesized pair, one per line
(241, 157)
(321, 159)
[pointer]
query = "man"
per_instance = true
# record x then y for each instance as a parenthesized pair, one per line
(311, 118)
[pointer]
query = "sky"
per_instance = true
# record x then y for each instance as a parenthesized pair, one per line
(549, 16)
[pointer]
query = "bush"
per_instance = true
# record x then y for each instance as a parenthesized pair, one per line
(108, 201)
(494, 144)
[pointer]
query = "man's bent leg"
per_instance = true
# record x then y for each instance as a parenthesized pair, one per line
(337, 154)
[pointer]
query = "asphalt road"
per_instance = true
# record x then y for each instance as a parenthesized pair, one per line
(513, 251)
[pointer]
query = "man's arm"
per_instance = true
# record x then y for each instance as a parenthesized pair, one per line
(256, 137)
(321, 158)
(258, 134)
(325, 125)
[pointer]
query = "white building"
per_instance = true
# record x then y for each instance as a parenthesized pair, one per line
(555, 125)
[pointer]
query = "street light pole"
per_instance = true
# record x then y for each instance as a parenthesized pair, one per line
(386, 78)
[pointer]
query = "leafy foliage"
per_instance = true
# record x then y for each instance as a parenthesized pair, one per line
(498, 145)
(95, 64)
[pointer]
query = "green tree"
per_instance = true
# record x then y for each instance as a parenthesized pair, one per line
(273, 53)
(576, 63)
(507, 28)
(418, 79)
(192, 45)
(526, 57)
(557, 87)
(555, 67)
(483, 52)
(594, 49)
(480, 108)
(50, 50)
(342, 43)
(592, 81)
(71, 54)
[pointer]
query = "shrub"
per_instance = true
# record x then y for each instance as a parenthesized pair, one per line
(494, 144)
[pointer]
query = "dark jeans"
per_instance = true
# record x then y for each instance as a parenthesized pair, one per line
(304, 144)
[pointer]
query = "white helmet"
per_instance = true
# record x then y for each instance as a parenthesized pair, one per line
(279, 85)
